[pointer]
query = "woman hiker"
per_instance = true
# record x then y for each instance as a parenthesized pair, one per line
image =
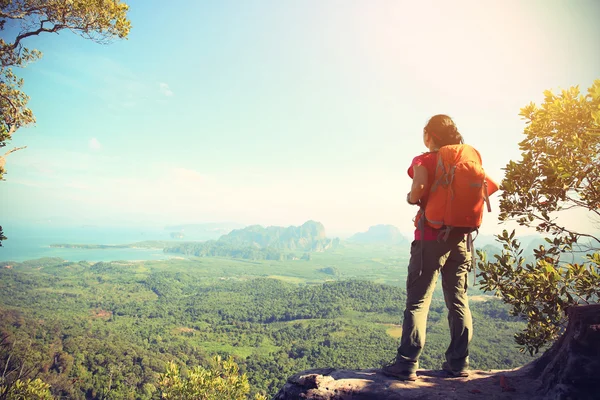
(432, 252)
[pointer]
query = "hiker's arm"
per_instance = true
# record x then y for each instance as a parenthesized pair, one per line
(419, 184)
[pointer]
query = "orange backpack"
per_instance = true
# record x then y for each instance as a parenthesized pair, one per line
(458, 191)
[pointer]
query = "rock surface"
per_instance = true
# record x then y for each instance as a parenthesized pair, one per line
(334, 384)
(568, 370)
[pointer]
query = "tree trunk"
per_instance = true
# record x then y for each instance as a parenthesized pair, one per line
(570, 368)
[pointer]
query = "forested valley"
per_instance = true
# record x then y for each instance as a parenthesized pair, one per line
(108, 329)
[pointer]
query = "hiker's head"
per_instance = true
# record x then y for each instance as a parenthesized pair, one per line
(441, 131)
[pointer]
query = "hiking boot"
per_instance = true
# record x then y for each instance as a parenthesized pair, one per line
(455, 373)
(399, 371)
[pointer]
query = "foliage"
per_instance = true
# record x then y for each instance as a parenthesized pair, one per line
(221, 381)
(13, 102)
(559, 171)
(540, 291)
(18, 359)
(109, 329)
(97, 20)
(2, 237)
(212, 248)
(27, 389)
(560, 166)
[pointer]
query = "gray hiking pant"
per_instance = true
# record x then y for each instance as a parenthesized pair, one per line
(454, 261)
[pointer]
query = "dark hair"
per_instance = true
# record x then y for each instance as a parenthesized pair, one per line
(443, 131)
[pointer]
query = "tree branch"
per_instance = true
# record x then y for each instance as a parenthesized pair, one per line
(579, 203)
(13, 150)
(592, 185)
(21, 15)
(10, 103)
(6, 366)
(13, 129)
(563, 229)
(41, 29)
(565, 208)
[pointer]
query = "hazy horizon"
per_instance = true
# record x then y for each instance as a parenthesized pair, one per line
(64, 225)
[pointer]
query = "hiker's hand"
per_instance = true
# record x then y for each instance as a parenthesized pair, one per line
(408, 200)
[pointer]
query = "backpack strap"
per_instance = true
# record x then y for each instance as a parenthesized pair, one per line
(421, 224)
(486, 195)
(439, 166)
(444, 233)
(471, 248)
(450, 179)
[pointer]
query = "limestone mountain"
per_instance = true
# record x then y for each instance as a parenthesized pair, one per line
(310, 236)
(380, 234)
(258, 242)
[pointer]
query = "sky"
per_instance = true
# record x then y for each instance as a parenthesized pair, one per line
(274, 113)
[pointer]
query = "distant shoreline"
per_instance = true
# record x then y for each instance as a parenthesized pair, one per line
(151, 244)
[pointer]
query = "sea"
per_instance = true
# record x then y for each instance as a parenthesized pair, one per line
(29, 242)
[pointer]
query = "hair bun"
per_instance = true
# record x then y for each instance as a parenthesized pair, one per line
(443, 130)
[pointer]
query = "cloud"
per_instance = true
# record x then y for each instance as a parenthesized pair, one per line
(94, 144)
(164, 89)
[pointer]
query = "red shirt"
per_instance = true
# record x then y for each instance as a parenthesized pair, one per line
(429, 161)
